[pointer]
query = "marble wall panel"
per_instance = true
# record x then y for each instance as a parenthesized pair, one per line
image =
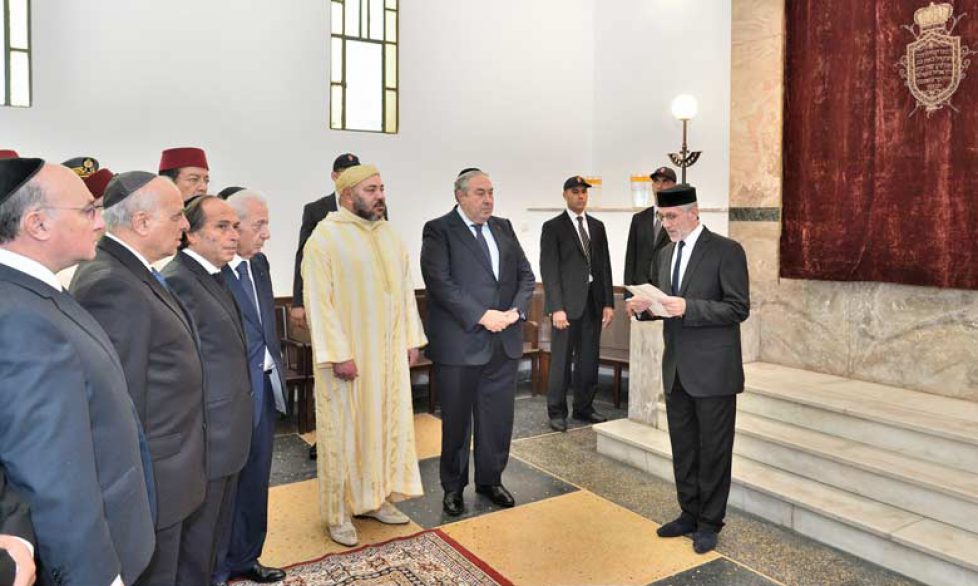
(805, 324)
(756, 19)
(915, 337)
(755, 122)
(644, 371)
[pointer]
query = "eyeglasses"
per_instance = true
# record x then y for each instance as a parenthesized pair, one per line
(670, 217)
(88, 211)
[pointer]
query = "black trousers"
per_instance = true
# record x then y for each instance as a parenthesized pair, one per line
(481, 397)
(249, 523)
(207, 532)
(701, 430)
(575, 345)
(163, 566)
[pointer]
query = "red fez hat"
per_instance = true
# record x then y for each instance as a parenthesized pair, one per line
(8, 154)
(183, 157)
(97, 182)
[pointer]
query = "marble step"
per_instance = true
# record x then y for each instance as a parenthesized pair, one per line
(924, 549)
(921, 425)
(929, 489)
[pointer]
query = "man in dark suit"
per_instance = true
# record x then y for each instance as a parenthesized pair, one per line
(157, 343)
(250, 281)
(479, 285)
(576, 270)
(646, 236)
(16, 538)
(195, 276)
(702, 367)
(69, 436)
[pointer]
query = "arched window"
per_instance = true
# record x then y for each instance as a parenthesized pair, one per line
(363, 65)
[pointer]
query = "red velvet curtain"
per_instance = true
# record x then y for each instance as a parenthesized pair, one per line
(871, 191)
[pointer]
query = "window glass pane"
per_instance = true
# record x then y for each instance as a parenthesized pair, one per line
(390, 115)
(336, 106)
(390, 66)
(363, 86)
(336, 18)
(18, 25)
(336, 61)
(377, 20)
(391, 26)
(392, 4)
(20, 79)
(352, 18)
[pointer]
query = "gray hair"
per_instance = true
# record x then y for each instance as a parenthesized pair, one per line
(239, 201)
(120, 215)
(30, 195)
(462, 181)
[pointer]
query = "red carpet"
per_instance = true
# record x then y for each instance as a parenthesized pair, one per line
(426, 558)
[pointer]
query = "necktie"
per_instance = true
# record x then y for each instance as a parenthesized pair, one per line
(585, 239)
(675, 269)
(656, 229)
(249, 286)
(481, 239)
(160, 278)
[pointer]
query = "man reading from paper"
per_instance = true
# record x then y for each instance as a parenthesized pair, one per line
(365, 329)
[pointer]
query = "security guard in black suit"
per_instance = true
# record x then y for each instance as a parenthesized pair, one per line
(646, 236)
(576, 271)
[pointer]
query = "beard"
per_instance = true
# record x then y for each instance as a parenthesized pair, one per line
(368, 212)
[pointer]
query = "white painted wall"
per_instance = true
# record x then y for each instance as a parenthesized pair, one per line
(646, 53)
(532, 91)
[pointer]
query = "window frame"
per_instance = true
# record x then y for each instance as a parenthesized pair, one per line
(363, 36)
(8, 51)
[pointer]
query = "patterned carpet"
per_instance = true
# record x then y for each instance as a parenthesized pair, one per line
(428, 558)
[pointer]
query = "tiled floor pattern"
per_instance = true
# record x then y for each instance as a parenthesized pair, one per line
(581, 519)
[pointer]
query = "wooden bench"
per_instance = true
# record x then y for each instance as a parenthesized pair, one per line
(531, 350)
(298, 362)
(613, 349)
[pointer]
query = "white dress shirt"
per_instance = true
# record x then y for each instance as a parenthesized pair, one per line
(30, 267)
(135, 252)
(690, 241)
(573, 217)
(490, 240)
(237, 260)
(208, 266)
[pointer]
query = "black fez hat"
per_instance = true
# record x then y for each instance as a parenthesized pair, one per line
(15, 173)
(575, 181)
(229, 191)
(469, 170)
(679, 195)
(664, 172)
(83, 166)
(125, 184)
(345, 161)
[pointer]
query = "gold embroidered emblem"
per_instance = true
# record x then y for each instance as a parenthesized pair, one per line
(935, 61)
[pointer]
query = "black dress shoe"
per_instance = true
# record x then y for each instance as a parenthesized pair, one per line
(312, 452)
(558, 424)
(677, 527)
(263, 574)
(497, 494)
(592, 417)
(704, 540)
(453, 503)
